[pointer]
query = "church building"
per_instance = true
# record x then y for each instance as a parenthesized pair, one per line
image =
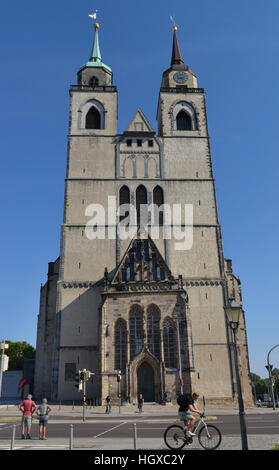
(143, 291)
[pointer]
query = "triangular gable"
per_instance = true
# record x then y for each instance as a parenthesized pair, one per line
(142, 262)
(139, 123)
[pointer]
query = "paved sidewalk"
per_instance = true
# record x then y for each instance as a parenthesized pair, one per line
(228, 443)
(149, 410)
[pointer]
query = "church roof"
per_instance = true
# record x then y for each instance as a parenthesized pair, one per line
(177, 62)
(139, 122)
(176, 57)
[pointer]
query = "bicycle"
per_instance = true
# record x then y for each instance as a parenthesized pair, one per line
(209, 436)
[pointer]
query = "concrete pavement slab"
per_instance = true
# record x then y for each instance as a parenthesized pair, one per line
(259, 442)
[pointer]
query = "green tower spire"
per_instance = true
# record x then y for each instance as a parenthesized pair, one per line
(95, 57)
(96, 53)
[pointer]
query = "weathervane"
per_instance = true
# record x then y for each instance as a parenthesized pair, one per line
(94, 16)
(174, 23)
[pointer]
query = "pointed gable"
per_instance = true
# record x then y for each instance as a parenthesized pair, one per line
(142, 262)
(139, 123)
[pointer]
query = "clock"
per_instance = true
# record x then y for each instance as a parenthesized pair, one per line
(180, 77)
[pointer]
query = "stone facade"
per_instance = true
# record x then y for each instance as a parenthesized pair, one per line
(45, 333)
(144, 289)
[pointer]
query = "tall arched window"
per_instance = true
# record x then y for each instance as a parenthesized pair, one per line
(153, 330)
(93, 119)
(92, 115)
(183, 121)
(124, 198)
(120, 345)
(141, 198)
(158, 200)
(169, 343)
(136, 330)
(94, 81)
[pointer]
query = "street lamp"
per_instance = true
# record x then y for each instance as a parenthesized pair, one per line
(233, 311)
(3, 346)
(269, 368)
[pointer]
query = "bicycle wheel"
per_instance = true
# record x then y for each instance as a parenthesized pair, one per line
(209, 437)
(174, 437)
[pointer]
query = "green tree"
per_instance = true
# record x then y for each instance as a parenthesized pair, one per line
(261, 385)
(275, 374)
(17, 352)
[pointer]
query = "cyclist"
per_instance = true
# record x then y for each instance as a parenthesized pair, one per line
(187, 406)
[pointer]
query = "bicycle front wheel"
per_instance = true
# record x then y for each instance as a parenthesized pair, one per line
(209, 437)
(174, 437)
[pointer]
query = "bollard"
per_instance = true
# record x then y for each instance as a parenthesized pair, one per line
(13, 437)
(73, 407)
(135, 436)
(60, 405)
(71, 437)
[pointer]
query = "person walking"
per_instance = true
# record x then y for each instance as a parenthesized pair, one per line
(27, 408)
(140, 403)
(108, 404)
(43, 411)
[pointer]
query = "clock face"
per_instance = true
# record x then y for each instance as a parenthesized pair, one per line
(180, 77)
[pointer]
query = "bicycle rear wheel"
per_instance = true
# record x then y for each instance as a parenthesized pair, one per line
(174, 437)
(209, 437)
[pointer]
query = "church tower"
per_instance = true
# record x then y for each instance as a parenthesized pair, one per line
(150, 304)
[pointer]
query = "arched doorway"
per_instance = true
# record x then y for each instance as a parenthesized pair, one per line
(145, 376)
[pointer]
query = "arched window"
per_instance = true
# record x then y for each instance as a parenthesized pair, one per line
(158, 200)
(92, 115)
(120, 345)
(183, 121)
(169, 343)
(93, 119)
(94, 81)
(136, 330)
(141, 198)
(154, 267)
(153, 330)
(124, 198)
(132, 267)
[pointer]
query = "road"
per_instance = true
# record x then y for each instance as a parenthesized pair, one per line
(121, 427)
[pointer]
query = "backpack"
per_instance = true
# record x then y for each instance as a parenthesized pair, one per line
(184, 400)
(181, 400)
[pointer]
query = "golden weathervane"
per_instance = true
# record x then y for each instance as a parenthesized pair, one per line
(94, 16)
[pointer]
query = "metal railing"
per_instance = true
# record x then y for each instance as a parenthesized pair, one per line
(87, 88)
(183, 89)
(71, 436)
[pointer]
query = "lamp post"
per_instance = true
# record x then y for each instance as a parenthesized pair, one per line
(269, 368)
(3, 346)
(233, 311)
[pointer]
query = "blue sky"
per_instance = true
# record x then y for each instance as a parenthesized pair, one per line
(232, 47)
